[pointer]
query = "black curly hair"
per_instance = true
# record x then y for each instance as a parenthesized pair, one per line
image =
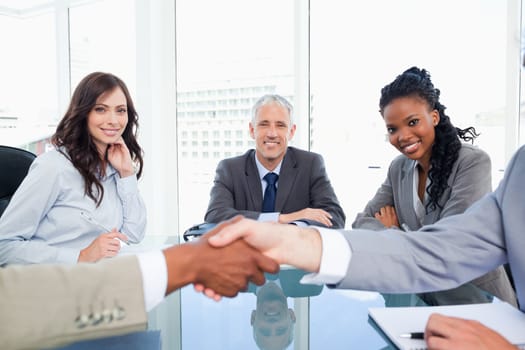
(415, 82)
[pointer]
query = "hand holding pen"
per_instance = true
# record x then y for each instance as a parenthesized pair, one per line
(91, 220)
(104, 246)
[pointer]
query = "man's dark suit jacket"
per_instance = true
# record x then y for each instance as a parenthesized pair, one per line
(303, 183)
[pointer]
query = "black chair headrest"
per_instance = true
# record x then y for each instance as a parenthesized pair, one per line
(14, 165)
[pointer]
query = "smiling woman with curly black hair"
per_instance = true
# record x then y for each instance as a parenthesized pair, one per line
(435, 176)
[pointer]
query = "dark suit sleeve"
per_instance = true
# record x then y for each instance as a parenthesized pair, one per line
(40, 303)
(323, 195)
(222, 197)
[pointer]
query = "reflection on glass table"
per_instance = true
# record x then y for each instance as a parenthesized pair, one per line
(336, 319)
(260, 318)
(272, 320)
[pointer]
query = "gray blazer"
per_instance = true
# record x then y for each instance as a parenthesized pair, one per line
(303, 183)
(40, 304)
(450, 252)
(469, 180)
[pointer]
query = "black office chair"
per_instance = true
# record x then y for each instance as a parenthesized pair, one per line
(14, 165)
(196, 231)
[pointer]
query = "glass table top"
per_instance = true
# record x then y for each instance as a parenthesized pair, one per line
(281, 314)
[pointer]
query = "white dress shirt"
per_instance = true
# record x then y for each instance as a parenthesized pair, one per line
(154, 277)
(419, 207)
(335, 258)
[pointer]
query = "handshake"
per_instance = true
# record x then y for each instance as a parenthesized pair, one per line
(238, 251)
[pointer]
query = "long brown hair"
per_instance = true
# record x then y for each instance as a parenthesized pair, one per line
(72, 133)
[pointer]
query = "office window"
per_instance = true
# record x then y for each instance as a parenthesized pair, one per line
(29, 108)
(223, 48)
(105, 46)
(224, 79)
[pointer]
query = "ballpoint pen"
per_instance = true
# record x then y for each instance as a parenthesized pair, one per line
(91, 220)
(413, 335)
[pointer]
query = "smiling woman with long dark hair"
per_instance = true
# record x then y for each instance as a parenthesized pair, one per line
(80, 200)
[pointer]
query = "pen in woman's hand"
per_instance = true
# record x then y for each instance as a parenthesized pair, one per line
(91, 220)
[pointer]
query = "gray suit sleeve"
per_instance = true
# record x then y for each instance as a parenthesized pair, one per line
(41, 304)
(472, 181)
(222, 203)
(444, 255)
(441, 256)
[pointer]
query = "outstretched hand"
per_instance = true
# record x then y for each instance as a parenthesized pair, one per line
(286, 244)
(263, 236)
(226, 270)
(445, 332)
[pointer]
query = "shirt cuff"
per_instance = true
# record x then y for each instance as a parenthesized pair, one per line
(273, 217)
(67, 255)
(154, 277)
(335, 257)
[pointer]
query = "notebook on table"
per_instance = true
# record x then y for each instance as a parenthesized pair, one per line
(500, 316)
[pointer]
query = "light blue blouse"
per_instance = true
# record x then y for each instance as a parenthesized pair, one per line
(43, 222)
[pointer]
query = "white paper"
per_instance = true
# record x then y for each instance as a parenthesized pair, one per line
(500, 316)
